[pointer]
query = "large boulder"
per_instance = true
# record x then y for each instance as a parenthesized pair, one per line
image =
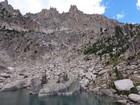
(18, 84)
(134, 97)
(124, 85)
(54, 88)
(35, 85)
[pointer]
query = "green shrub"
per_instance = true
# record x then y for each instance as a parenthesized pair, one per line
(90, 50)
(44, 79)
(118, 32)
(133, 90)
(138, 54)
(112, 61)
(118, 74)
(65, 77)
(107, 63)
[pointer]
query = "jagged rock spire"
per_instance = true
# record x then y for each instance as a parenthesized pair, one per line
(73, 8)
(6, 1)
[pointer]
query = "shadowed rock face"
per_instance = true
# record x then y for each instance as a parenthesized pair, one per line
(13, 19)
(51, 43)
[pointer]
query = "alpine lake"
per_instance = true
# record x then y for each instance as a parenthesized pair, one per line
(23, 97)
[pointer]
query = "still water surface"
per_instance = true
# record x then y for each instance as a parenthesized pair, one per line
(78, 98)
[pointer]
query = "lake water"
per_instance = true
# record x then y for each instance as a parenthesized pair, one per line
(78, 98)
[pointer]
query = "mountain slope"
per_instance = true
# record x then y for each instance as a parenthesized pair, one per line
(88, 47)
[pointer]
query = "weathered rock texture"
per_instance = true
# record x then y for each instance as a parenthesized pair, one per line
(93, 48)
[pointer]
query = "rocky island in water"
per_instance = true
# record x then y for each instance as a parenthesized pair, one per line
(49, 53)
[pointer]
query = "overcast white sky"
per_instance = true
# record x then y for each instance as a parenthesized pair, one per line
(138, 4)
(33, 6)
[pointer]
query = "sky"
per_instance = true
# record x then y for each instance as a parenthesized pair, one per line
(127, 11)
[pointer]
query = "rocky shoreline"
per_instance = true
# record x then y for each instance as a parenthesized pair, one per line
(124, 91)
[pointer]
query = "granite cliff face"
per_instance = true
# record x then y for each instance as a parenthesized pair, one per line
(65, 48)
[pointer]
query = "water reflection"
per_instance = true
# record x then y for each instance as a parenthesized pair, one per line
(14, 98)
(76, 99)
(23, 98)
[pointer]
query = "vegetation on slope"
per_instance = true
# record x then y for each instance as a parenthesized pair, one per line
(114, 45)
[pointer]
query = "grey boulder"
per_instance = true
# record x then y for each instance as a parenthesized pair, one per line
(124, 84)
(18, 84)
(35, 85)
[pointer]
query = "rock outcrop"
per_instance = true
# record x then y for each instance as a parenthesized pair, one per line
(16, 85)
(66, 87)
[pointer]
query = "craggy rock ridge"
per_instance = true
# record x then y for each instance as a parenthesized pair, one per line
(73, 20)
(51, 53)
(13, 20)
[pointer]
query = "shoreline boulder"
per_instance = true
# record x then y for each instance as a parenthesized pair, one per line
(134, 97)
(16, 85)
(54, 88)
(124, 84)
(35, 85)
